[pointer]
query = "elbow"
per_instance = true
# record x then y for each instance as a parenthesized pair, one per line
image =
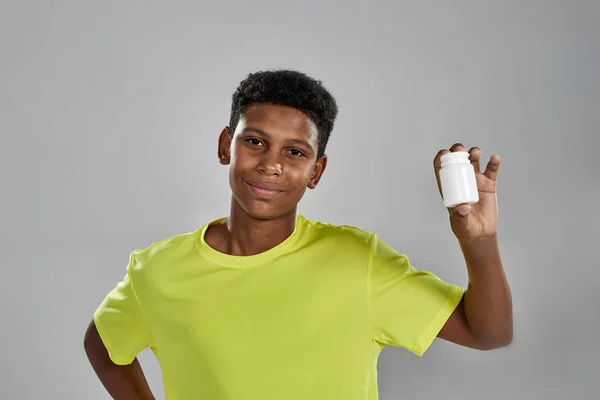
(507, 339)
(501, 343)
(497, 341)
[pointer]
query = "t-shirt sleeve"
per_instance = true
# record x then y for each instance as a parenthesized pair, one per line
(408, 307)
(121, 323)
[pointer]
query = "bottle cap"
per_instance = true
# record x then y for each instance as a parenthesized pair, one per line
(456, 157)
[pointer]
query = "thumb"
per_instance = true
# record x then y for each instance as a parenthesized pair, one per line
(459, 220)
(460, 211)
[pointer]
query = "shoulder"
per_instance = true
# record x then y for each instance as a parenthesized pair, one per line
(348, 236)
(352, 239)
(162, 250)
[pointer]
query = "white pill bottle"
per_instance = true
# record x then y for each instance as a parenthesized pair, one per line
(457, 177)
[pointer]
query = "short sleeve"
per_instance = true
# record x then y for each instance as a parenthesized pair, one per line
(121, 323)
(408, 308)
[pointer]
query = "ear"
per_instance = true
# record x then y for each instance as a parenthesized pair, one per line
(317, 172)
(224, 148)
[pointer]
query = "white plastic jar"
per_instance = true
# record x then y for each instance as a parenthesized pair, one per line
(457, 177)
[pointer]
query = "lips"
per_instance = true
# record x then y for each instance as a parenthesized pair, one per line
(265, 190)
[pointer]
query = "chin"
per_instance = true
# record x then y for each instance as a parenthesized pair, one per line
(264, 211)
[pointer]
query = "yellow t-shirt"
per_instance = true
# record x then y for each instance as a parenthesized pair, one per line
(305, 320)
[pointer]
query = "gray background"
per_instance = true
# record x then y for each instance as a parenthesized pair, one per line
(109, 117)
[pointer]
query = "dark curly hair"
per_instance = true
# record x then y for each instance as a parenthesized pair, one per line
(287, 88)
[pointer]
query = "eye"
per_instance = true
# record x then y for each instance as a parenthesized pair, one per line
(296, 153)
(254, 142)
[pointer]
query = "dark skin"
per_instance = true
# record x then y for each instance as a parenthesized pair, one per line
(122, 382)
(271, 145)
(272, 158)
(483, 320)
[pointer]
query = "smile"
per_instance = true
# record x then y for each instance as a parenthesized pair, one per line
(264, 191)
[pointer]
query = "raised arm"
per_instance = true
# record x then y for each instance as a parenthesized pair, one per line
(483, 319)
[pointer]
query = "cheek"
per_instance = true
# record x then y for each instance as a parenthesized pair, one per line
(240, 162)
(236, 169)
(301, 179)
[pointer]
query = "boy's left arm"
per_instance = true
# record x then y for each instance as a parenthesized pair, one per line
(483, 319)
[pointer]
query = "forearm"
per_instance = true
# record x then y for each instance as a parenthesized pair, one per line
(487, 302)
(122, 382)
(125, 381)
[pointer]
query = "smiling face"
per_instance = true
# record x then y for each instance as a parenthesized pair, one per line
(273, 159)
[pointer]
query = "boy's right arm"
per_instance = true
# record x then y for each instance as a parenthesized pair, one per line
(123, 382)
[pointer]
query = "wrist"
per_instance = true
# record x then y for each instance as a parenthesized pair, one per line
(479, 241)
(481, 252)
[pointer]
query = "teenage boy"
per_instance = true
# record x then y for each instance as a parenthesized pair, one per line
(265, 304)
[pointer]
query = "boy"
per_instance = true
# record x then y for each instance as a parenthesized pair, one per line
(265, 304)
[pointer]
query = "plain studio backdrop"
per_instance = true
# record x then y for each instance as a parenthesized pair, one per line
(109, 118)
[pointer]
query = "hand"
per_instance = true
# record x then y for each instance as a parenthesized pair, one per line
(480, 220)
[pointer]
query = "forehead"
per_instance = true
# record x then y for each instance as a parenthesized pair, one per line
(278, 120)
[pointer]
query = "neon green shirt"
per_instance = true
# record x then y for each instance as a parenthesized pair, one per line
(306, 319)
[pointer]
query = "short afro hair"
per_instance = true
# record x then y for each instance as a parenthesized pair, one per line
(287, 88)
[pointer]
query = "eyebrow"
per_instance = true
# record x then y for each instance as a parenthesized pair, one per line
(266, 135)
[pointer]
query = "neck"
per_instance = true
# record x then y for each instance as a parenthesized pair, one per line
(246, 235)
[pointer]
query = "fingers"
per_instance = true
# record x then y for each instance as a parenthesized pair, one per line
(491, 170)
(437, 165)
(474, 157)
(457, 147)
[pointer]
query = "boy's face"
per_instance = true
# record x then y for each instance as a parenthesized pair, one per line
(272, 158)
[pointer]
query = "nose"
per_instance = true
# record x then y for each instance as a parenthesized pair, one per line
(269, 164)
